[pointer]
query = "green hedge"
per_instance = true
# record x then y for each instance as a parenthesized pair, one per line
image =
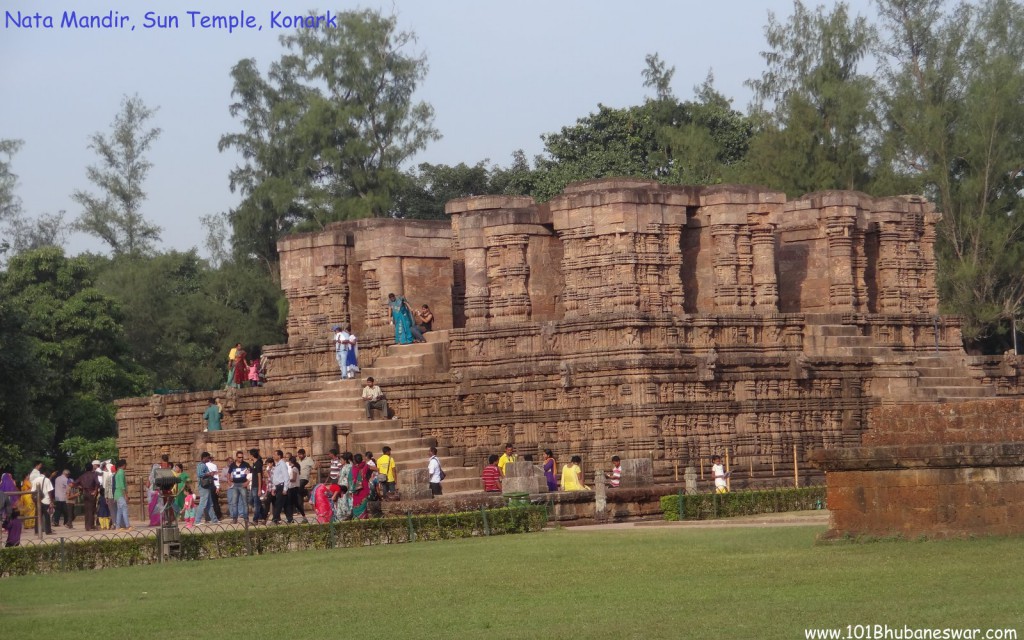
(707, 506)
(96, 554)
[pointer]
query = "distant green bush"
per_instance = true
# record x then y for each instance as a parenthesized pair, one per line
(121, 552)
(707, 506)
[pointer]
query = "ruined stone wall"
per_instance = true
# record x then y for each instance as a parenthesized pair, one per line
(991, 421)
(931, 470)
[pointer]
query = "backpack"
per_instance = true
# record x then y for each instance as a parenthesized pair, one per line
(205, 481)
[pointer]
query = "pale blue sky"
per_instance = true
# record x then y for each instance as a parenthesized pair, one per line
(501, 74)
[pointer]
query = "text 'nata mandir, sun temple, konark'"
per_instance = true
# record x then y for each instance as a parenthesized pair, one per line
(624, 318)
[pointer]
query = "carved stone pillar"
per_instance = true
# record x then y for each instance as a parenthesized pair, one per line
(889, 298)
(839, 224)
(507, 273)
(389, 273)
(930, 295)
(477, 291)
(726, 267)
(376, 314)
(766, 287)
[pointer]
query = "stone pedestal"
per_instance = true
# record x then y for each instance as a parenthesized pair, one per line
(414, 484)
(600, 497)
(524, 477)
(637, 472)
(690, 478)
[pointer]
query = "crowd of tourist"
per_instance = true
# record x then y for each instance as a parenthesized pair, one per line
(274, 490)
(277, 489)
(101, 488)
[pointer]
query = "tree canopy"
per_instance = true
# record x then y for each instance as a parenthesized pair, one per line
(326, 131)
(115, 215)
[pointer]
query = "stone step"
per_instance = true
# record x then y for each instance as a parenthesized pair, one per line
(385, 364)
(939, 361)
(400, 448)
(318, 416)
(832, 330)
(384, 434)
(439, 335)
(418, 348)
(382, 374)
(943, 381)
(957, 392)
(849, 341)
(940, 372)
(329, 403)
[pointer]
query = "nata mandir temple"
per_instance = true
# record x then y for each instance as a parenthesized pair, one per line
(623, 317)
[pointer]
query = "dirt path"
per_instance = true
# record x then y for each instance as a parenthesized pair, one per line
(790, 519)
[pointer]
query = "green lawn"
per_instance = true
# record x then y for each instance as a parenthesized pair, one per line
(657, 582)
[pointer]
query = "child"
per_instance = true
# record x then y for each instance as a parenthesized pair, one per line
(615, 476)
(342, 505)
(720, 475)
(13, 527)
(103, 514)
(491, 475)
(254, 373)
(188, 511)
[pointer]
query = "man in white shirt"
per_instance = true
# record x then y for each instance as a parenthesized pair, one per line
(279, 481)
(107, 482)
(374, 398)
(61, 508)
(215, 492)
(435, 472)
(42, 485)
(346, 351)
(38, 466)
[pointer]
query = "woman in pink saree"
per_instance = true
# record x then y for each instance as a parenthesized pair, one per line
(359, 486)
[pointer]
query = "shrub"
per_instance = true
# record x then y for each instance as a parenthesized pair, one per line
(706, 506)
(95, 554)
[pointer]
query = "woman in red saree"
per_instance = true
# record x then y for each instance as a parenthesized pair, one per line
(323, 500)
(359, 486)
(241, 370)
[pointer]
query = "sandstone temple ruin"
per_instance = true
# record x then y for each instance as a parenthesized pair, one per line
(621, 317)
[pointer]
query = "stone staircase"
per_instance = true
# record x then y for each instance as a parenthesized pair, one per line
(944, 378)
(340, 403)
(941, 377)
(840, 339)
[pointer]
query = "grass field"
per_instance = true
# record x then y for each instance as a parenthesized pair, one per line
(655, 582)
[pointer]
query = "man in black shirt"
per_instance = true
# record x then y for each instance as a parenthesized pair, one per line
(240, 475)
(89, 484)
(257, 486)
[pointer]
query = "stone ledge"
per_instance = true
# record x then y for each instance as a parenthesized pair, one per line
(919, 457)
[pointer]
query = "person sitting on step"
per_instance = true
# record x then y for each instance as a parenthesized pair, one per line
(374, 399)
